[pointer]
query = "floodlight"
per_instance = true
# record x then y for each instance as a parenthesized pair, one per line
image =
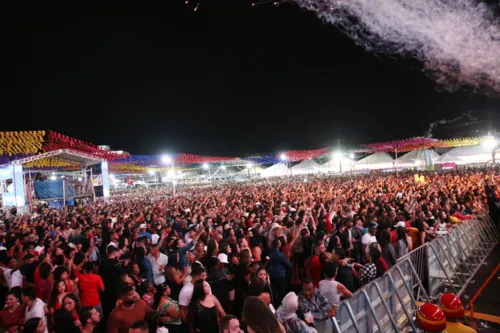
(491, 143)
(166, 159)
(151, 172)
(205, 166)
(283, 157)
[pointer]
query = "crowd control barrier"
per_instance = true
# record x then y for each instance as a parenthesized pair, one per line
(388, 304)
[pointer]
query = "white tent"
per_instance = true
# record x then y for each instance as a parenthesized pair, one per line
(471, 154)
(343, 164)
(306, 166)
(445, 158)
(254, 171)
(278, 169)
(375, 161)
(415, 158)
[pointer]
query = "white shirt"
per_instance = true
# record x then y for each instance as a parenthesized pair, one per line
(158, 275)
(186, 294)
(367, 240)
(36, 310)
(155, 238)
(329, 290)
(112, 243)
(13, 279)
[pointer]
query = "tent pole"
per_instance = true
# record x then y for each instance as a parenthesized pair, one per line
(396, 161)
(64, 194)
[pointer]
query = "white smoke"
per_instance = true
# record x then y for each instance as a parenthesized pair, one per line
(433, 125)
(458, 41)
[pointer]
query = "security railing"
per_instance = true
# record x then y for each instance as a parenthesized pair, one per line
(388, 304)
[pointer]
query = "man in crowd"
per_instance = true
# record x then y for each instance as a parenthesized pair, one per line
(128, 311)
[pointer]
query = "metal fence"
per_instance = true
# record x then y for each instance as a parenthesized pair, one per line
(388, 304)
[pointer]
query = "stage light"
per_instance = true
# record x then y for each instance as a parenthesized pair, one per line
(249, 165)
(223, 167)
(79, 179)
(351, 155)
(151, 172)
(53, 177)
(283, 157)
(491, 143)
(337, 155)
(205, 166)
(166, 159)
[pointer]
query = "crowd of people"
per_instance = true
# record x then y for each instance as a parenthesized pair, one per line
(264, 256)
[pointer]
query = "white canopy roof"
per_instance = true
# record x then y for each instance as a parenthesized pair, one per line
(278, 169)
(415, 158)
(306, 166)
(449, 159)
(375, 161)
(470, 154)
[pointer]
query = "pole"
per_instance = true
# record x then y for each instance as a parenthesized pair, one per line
(92, 185)
(396, 162)
(173, 179)
(64, 194)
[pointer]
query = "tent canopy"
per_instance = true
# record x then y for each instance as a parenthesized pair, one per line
(375, 161)
(278, 169)
(307, 166)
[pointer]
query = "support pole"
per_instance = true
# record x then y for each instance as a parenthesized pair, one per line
(396, 162)
(64, 194)
(173, 179)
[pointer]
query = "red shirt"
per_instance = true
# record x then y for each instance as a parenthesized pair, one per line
(316, 269)
(89, 285)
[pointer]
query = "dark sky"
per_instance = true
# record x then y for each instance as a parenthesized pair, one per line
(228, 79)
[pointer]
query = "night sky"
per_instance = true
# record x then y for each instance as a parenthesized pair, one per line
(225, 80)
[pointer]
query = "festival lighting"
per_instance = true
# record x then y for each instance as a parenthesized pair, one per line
(337, 154)
(53, 177)
(151, 172)
(283, 157)
(79, 179)
(205, 165)
(166, 159)
(351, 156)
(249, 165)
(491, 143)
(223, 167)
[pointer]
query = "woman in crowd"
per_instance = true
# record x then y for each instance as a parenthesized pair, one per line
(170, 314)
(66, 319)
(204, 309)
(287, 315)
(35, 325)
(56, 296)
(12, 315)
(401, 245)
(259, 318)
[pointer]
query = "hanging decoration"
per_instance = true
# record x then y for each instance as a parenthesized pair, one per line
(55, 141)
(199, 159)
(460, 142)
(21, 144)
(300, 155)
(50, 163)
(403, 145)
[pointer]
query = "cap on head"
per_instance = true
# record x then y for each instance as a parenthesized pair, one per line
(451, 306)
(431, 318)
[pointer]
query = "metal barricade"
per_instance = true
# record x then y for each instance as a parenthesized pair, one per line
(385, 304)
(455, 258)
(450, 261)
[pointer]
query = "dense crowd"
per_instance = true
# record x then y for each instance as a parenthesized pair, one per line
(264, 256)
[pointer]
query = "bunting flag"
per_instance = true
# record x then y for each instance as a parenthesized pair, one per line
(402, 145)
(199, 159)
(300, 155)
(20, 144)
(449, 143)
(50, 163)
(55, 141)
